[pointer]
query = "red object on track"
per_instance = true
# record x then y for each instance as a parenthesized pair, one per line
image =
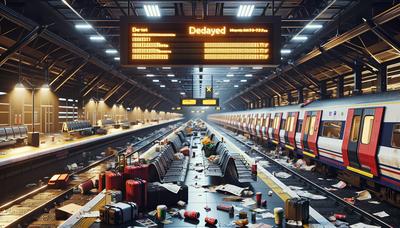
(114, 181)
(192, 214)
(86, 186)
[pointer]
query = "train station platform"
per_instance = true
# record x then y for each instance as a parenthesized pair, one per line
(9, 156)
(204, 198)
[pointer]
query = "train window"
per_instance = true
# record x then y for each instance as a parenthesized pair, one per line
(396, 136)
(331, 129)
(299, 125)
(283, 124)
(291, 126)
(287, 124)
(276, 120)
(307, 125)
(355, 128)
(367, 129)
(312, 125)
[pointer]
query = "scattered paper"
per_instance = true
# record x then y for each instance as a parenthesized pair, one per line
(381, 214)
(363, 195)
(91, 214)
(233, 189)
(363, 225)
(248, 202)
(264, 164)
(233, 198)
(236, 208)
(330, 189)
(282, 175)
(295, 187)
(340, 185)
(374, 202)
(320, 178)
(309, 195)
(307, 167)
(174, 188)
(259, 210)
(267, 215)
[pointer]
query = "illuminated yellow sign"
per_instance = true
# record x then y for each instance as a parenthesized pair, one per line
(209, 102)
(206, 31)
(189, 102)
(178, 108)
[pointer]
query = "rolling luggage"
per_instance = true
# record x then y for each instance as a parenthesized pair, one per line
(136, 171)
(114, 181)
(119, 213)
(297, 209)
(102, 182)
(136, 191)
(157, 195)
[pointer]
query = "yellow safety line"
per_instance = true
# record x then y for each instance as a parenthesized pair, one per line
(362, 172)
(309, 154)
(274, 141)
(289, 147)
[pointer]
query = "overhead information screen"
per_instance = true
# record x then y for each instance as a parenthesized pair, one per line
(214, 41)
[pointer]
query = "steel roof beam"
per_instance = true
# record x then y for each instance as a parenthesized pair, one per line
(383, 35)
(70, 75)
(113, 91)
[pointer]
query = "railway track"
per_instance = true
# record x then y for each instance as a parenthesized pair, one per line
(326, 207)
(21, 211)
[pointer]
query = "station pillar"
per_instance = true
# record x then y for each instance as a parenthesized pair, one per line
(357, 78)
(289, 97)
(382, 79)
(300, 96)
(340, 86)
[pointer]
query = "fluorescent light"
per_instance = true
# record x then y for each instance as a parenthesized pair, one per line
(286, 51)
(156, 80)
(111, 51)
(236, 86)
(149, 75)
(174, 80)
(248, 75)
(243, 80)
(45, 87)
(166, 68)
(313, 26)
(245, 11)
(117, 58)
(162, 86)
(97, 38)
(230, 75)
(83, 26)
(141, 68)
(3, 93)
(257, 68)
(152, 10)
(234, 68)
(226, 80)
(216, 93)
(171, 75)
(182, 93)
(300, 38)
(19, 86)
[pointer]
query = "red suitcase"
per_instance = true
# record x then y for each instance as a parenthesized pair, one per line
(136, 191)
(102, 182)
(136, 171)
(114, 181)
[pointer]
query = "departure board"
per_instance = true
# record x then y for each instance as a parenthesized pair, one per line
(214, 41)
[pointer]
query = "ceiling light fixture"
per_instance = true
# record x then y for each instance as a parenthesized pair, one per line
(313, 26)
(234, 68)
(286, 51)
(156, 80)
(152, 10)
(111, 51)
(141, 68)
(248, 75)
(162, 86)
(236, 86)
(182, 93)
(117, 58)
(257, 68)
(226, 80)
(97, 38)
(243, 80)
(171, 75)
(83, 26)
(230, 75)
(299, 38)
(245, 11)
(166, 68)
(174, 80)
(149, 75)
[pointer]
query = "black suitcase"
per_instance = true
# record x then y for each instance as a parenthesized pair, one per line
(157, 195)
(119, 213)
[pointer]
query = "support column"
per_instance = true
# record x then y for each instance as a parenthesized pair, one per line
(289, 97)
(322, 89)
(300, 96)
(381, 81)
(357, 78)
(340, 86)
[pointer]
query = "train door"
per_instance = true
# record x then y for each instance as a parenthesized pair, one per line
(360, 140)
(277, 127)
(290, 129)
(309, 132)
(265, 126)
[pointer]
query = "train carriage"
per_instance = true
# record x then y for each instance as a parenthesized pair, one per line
(359, 134)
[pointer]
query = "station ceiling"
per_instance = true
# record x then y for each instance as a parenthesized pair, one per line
(75, 62)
